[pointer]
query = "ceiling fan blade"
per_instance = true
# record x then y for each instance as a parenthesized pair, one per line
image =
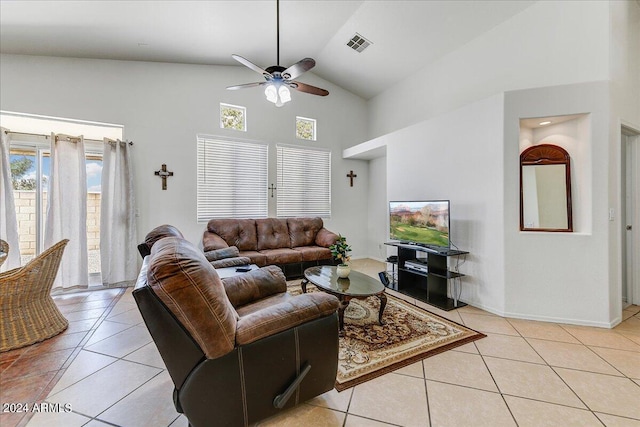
(246, 85)
(298, 68)
(250, 64)
(303, 87)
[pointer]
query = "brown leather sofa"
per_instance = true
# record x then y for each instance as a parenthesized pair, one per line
(293, 244)
(240, 349)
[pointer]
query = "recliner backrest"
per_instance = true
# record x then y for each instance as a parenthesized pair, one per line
(189, 286)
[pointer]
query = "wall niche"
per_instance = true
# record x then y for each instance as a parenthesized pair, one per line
(571, 133)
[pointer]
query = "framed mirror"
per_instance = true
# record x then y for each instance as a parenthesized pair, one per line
(545, 189)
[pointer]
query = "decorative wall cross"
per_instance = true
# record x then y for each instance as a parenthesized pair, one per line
(272, 187)
(163, 173)
(351, 175)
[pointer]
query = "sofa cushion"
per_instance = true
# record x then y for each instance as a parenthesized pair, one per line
(235, 232)
(189, 286)
(303, 231)
(231, 262)
(313, 253)
(282, 256)
(255, 257)
(273, 233)
(216, 254)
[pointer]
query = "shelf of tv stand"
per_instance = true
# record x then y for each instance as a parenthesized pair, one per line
(428, 286)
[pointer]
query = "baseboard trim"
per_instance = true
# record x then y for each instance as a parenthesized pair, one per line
(549, 319)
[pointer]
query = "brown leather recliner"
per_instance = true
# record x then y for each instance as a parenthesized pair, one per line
(240, 350)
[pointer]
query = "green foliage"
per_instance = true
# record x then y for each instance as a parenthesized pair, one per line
(232, 118)
(19, 167)
(341, 249)
(304, 129)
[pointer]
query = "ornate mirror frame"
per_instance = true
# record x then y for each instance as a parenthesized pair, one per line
(546, 154)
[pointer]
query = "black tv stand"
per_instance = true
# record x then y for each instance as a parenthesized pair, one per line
(428, 286)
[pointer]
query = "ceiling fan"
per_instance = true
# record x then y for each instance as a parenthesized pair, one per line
(279, 79)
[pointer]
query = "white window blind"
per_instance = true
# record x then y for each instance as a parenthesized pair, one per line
(304, 182)
(232, 179)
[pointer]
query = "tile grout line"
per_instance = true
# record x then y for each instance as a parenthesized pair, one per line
(60, 372)
(124, 397)
(545, 364)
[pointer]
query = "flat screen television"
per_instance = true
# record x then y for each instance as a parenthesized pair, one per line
(424, 223)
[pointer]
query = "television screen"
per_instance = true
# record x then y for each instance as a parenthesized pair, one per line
(420, 222)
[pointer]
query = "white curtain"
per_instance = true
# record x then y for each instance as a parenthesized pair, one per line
(67, 210)
(118, 249)
(8, 217)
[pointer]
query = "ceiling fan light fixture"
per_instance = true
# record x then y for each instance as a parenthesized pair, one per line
(285, 95)
(272, 93)
(279, 79)
(277, 93)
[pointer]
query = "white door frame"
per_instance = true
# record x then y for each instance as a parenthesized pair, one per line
(630, 148)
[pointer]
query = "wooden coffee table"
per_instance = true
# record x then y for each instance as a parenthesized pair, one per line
(357, 285)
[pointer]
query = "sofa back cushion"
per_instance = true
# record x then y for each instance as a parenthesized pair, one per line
(303, 231)
(189, 286)
(273, 233)
(236, 232)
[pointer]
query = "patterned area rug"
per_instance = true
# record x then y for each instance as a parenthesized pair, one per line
(369, 350)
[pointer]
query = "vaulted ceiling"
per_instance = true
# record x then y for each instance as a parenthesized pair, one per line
(405, 36)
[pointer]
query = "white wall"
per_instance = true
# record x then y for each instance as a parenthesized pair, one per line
(163, 107)
(624, 66)
(458, 156)
(550, 43)
(584, 56)
(377, 231)
(562, 277)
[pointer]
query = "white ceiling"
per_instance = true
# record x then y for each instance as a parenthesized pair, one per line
(406, 35)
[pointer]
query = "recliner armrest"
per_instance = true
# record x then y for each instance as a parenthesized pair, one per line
(254, 285)
(285, 315)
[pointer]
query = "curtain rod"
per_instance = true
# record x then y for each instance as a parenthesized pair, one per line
(69, 138)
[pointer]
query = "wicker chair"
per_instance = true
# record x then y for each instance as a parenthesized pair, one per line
(4, 251)
(28, 313)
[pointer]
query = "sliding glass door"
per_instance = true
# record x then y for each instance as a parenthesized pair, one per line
(29, 175)
(30, 169)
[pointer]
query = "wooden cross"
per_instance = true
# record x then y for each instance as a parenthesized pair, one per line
(163, 173)
(272, 187)
(351, 175)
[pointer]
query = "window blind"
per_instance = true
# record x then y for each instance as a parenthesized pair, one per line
(304, 182)
(232, 179)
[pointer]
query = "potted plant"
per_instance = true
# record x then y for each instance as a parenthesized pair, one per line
(340, 251)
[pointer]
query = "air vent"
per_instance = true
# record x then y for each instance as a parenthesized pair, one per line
(358, 43)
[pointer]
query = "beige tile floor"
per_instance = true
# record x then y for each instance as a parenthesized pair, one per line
(524, 373)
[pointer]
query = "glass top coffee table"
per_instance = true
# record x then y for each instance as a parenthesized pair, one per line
(357, 285)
